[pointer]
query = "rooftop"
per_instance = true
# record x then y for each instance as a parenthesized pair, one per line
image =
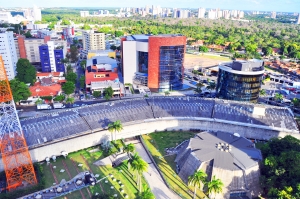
(39, 90)
(240, 66)
(145, 37)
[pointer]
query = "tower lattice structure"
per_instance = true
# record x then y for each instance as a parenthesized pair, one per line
(16, 159)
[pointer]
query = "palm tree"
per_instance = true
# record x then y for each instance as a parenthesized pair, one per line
(115, 127)
(211, 86)
(139, 166)
(296, 102)
(262, 92)
(215, 186)
(198, 89)
(196, 179)
(146, 194)
(278, 97)
(129, 148)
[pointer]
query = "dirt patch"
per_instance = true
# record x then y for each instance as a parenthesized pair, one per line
(202, 60)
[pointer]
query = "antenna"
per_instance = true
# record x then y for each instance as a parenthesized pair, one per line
(15, 155)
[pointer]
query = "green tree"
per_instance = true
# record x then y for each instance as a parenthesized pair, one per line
(167, 93)
(69, 69)
(129, 148)
(119, 33)
(59, 98)
(108, 93)
(65, 22)
(296, 102)
(97, 94)
(70, 100)
(146, 194)
(28, 34)
(68, 88)
(82, 81)
(83, 64)
(196, 179)
(25, 71)
(203, 49)
(115, 127)
(86, 27)
(20, 90)
(139, 166)
(278, 97)
(215, 186)
(72, 77)
(74, 53)
(113, 47)
(39, 101)
(267, 51)
(211, 86)
(262, 92)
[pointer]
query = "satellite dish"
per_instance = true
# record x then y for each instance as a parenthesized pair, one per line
(54, 158)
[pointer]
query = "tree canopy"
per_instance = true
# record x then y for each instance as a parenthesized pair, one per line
(280, 169)
(25, 71)
(108, 93)
(68, 87)
(20, 90)
(71, 76)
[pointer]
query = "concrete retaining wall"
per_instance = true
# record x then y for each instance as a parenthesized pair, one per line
(149, 126)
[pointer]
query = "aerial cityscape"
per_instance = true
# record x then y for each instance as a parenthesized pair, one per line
(150, 99)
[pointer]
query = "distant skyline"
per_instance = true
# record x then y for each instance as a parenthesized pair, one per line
(259, 5)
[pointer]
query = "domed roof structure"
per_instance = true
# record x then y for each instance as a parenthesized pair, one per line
(230, 158)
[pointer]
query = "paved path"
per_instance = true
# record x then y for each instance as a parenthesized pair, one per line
(157, 185)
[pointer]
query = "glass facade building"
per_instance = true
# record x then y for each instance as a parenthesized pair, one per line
(170, 67)
(239, 85)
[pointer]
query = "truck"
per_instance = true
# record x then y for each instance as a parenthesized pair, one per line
(58, 105)
(43, 106)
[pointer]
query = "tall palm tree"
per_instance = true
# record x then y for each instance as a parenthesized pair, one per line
(129, 148)
(146, 194)
(196, 179)
(211, 86)
(215, 186)
(115, 127)
(132, 158)
(139, 166)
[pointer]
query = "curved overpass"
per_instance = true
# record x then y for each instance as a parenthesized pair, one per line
(76, 129)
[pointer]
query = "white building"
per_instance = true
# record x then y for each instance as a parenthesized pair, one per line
(8, 53)
(212, 14)
(93, 41)
(273, 15)
(241, 14)
(84, 13)
(36, 13)
(298, 20)
(5, 17)
(201, 12)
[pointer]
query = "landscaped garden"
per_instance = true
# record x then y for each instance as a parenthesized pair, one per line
(156, 144)
(122, 182)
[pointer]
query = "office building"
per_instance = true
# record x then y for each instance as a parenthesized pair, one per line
(84, 13)
(51, 55)
(201, 12)
(212, 14)
(8, 52)
(154, 61)
(93, 41)
(240, 80)
(273, 15)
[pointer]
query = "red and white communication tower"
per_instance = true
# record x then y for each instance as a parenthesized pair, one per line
(16, 159)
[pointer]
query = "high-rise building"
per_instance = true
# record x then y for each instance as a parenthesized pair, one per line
(175, 13)
(147, 9)
(154, 61)
(240, 80)
(36, 13)
(226, 14)
(201, 12)
(298, 20)
(93, 41)
(273, 15)
(241, 14)
(84, 13)
(5, 17)
(211, 14)
(8, 52)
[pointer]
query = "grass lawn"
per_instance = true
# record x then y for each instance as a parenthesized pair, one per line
(156, 143)
(87, 158)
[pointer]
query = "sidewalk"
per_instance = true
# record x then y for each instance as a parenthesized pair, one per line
(156, 183)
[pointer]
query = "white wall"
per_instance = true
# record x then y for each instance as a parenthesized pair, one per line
(129, 60)
(9, 53)
(142, 46)
(51, 55)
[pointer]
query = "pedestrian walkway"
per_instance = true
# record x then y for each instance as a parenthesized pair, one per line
(156, 183)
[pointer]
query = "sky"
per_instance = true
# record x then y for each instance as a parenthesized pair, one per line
(259, 5)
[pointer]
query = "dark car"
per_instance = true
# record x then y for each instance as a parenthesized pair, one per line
(195, 78)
